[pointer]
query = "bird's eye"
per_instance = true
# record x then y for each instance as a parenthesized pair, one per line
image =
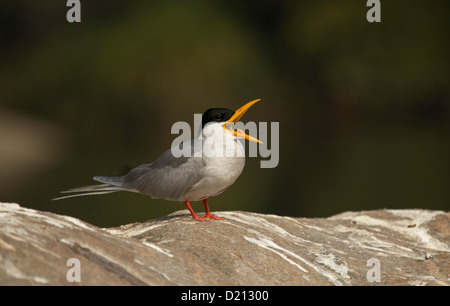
(219, 116)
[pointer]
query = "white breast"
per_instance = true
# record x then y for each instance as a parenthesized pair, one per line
(224, 159)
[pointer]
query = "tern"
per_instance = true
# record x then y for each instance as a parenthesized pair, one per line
(217, 159)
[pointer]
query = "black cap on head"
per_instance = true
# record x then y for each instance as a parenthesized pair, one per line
(216, 115)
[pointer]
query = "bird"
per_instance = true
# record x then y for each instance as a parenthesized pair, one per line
(216, 160)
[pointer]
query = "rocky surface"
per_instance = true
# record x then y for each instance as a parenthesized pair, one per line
(382, 247)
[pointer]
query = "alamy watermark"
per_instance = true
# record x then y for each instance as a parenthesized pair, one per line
(74, 273)
(222, 146)
(373, 274)
(374, 13)
(74, 12)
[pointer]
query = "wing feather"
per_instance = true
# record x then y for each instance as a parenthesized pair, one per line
(168, 177)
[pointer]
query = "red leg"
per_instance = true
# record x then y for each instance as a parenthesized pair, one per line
(194, 215)
(208, 213)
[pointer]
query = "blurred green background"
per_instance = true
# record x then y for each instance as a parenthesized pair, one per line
(363, 107)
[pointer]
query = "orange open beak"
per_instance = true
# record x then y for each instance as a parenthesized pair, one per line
(235, 118)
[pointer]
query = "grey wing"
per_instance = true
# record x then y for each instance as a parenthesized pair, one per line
(168, 177)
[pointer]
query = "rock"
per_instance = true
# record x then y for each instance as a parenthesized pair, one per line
(382, 247)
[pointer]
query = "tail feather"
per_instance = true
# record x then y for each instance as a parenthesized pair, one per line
(110, 180)
(89, 190)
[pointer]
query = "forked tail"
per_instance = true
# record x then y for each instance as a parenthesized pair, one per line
(112, 185)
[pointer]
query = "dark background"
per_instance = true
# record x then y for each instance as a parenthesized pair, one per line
(363, 107)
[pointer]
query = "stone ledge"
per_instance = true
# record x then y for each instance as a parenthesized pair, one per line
(411, 247)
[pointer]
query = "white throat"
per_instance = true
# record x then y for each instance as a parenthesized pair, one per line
(218, 142)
